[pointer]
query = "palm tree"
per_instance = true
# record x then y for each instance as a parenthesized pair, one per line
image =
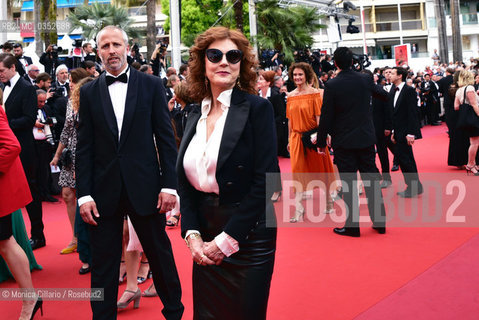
(286, 29)
(95, 17)
(150, 27)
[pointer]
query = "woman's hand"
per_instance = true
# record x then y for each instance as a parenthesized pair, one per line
(213, 252)
(171, 103)
(196, 249)
(54, 161)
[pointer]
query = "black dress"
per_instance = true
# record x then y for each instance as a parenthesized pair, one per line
(458, 139)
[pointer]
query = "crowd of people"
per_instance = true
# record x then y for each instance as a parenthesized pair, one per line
(130, 140)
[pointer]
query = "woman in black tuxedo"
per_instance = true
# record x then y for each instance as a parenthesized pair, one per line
(226, 151)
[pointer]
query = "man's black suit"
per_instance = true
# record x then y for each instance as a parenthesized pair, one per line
(123, 176)
(346, 115)
(382, 121)
(405, 122)
(20, 67)
(26, 77)
(21, 109)
(431, 98)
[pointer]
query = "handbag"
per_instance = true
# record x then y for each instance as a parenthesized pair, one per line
(306, 139)
(467, 118)
(66, 158)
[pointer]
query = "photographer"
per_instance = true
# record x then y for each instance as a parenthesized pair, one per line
(135, 55)
(326, 64)
(44, 145)
(56, 100)
(50, 59)
(158, 59)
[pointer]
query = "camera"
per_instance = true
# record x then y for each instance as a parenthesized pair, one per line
(56, 48)
(48, 122)
(360, 62)
(77, 43)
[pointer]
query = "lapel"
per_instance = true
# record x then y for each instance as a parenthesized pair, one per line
(401, 95)
(234, 126)
(107, 106)
(13, 93)
(130, 104)
(190, 131)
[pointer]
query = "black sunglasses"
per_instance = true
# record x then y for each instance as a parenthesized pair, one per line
(216, 55)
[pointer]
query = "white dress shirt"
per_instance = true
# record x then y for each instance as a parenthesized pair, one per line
(8, 89)
(268, 93)
(201, 158)
(118, 91)
(397, 93)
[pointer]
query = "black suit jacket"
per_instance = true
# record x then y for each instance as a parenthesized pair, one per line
(405, 115)
(346, 113)
(103, 163)
(21, 109)
(26, 77)
(382, 117)
(247, 152)
(19, 66)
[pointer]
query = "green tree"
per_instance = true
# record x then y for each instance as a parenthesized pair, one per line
(93, 18)
(236, 18)
(285, 29)
(196, 17)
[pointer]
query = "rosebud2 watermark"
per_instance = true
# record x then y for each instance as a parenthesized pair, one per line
(446, 200)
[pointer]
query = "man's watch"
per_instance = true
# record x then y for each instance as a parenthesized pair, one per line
(194, 235)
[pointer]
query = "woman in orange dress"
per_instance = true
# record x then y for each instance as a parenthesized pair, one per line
(303, 111)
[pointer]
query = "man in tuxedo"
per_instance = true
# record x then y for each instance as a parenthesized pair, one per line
(431, 99)
(22, 61)
(20, 102)
(123, 135)
(32, 73)
(347, 116)
(403, 103)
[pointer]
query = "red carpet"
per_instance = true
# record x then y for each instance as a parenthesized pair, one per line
(409, 273)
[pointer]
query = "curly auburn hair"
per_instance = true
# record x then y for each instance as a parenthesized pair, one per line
(308, 71)
(75, 97)
(197, 75)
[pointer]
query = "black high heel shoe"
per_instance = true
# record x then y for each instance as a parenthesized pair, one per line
(38, 305)
(472, 170)
(276, 196)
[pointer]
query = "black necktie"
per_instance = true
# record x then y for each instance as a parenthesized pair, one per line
(397, 89)
(7, 83)
(122, 78)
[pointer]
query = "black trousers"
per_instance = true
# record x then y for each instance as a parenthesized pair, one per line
(349, 162)
(382, 143)
(34, 208)
(44, 156)
(407, 163)
(106, 240)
